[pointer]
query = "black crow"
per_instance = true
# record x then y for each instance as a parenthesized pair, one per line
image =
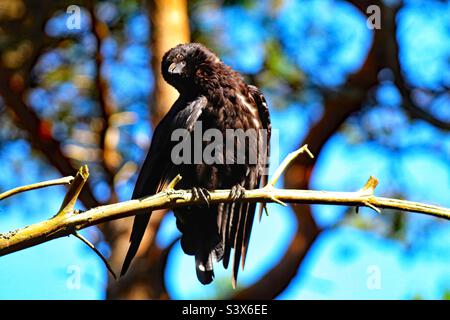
(212, 97)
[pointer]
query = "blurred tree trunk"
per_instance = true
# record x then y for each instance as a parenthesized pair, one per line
(169, 26)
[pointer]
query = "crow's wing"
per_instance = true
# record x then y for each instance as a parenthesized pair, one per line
(264, 147)
(237, 218)
(155, 171)
(262, 169)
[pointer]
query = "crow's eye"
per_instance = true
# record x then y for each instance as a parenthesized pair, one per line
(179, 56)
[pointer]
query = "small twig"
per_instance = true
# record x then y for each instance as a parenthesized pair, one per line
(173, 183)
(55, 182)
(370, 185)
(291, 156)
(74, 191)
(90, 245)
(368, 189)
(279, 171)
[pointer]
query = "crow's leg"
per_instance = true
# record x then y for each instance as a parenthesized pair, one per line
(201, 193)
(237, 192)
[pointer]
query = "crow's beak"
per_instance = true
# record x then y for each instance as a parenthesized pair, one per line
(176, 68)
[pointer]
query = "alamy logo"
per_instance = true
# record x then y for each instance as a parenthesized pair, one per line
(73, 21)
(373, 277)
(212, 146)
(374, 19)
(73, 281)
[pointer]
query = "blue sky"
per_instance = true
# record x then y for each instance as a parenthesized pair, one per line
(338, 265)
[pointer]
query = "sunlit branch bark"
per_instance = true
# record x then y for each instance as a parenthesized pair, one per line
(68, 220)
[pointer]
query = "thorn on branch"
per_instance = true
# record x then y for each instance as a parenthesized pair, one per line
(266, 211)
(371, 206)
(370, 185)
(275, 199)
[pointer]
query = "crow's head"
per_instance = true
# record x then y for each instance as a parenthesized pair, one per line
(180, 65)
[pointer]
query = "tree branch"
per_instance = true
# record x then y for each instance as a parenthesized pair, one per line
(68, 223)
(15, 81)
(392, 57)
(98, 253)
(107, 106)
(39, 185)
(72, 194)
(39, 133)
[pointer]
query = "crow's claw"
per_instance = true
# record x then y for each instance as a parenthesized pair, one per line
(201, 193)
(237, 192)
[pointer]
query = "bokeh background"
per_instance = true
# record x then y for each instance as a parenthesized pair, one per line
(367, 101)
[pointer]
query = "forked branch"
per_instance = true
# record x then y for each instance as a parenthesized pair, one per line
(68, 221)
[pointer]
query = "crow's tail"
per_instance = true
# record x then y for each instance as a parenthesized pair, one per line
(201, 239)
(139, 227)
